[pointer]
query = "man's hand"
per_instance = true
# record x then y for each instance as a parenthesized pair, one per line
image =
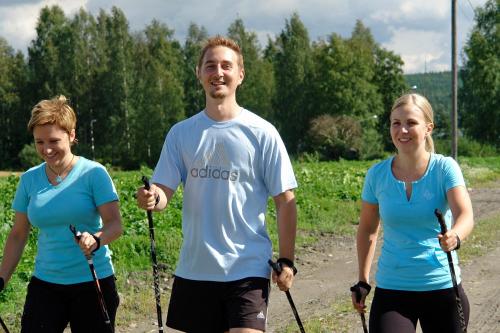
(147, 199)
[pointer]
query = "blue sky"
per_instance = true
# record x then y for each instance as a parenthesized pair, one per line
(419, 31)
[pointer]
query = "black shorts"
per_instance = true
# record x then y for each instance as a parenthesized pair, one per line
(208, 306)
(50, 307)
(397, 311)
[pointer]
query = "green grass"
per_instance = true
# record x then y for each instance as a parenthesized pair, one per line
(327, 201)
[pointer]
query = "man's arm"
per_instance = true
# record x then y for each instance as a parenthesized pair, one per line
(286, 215)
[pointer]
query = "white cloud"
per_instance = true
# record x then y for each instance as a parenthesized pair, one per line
(17, 23)
(414, 12)
(421, 50)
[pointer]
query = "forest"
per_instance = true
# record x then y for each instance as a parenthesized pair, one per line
(329, 98)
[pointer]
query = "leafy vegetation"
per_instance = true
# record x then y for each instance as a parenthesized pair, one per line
(327, 200)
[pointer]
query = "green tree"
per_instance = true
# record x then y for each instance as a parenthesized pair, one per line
(194, 94)
(292, 63)
(113, 85)
(158, 94)
(80, 71)
(480, 93)
(47, 55)
(257, 89)
(14, 111)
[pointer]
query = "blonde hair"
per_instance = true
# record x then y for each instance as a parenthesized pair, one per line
(53, 111)
(221, 41)
(423, 105)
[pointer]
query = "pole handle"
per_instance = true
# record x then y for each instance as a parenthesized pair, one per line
(275, 266)
(147, 185)
(441, 221)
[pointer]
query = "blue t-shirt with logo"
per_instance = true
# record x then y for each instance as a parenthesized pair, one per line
(52, 208)
(411, 258)
(228, 171)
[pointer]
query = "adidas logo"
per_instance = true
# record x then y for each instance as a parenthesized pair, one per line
(215, 165)
(261, 315)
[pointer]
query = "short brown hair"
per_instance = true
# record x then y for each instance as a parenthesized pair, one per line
(53, 111)
(221, 41)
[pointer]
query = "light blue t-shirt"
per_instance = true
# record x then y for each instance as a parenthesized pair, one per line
(52, 208)
(411, 257)
(228, 171)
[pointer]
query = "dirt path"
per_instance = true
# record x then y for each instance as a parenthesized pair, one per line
(329, 267)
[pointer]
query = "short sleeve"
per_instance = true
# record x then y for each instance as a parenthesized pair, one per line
(169, 169)
(368, 193)
(103, 189)
(278, 171)
(453, 176)
(21, 198)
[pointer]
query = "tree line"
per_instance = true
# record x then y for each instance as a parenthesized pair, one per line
(328, 97)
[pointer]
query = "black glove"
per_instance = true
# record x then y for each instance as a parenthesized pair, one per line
(358, 287)
(2, 283)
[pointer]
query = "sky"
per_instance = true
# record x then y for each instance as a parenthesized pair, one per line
(418, 31)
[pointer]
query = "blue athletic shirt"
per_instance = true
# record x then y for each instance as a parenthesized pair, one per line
(411, 257)
(52, 208)
(228, 171)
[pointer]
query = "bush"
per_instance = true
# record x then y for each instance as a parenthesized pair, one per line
(335, 137)
(29, 157)
(467, 147)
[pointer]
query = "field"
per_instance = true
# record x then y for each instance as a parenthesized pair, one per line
(328, 204)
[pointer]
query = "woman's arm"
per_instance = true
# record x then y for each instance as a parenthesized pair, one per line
(463, 217)
(14, 246)
(366, 239)
(111, 228)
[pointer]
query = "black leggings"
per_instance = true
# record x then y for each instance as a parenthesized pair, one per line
(50, 307)
(396, 311)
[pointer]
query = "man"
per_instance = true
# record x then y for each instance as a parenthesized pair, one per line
(229, 161)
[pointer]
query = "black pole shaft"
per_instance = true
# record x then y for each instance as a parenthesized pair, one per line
(277, 268)
(100, 297)
(4, 326)
(460, 309)
(156, 277)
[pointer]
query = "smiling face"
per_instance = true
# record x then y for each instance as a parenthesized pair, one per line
(53, 144)
(409, 128)
(220, 74)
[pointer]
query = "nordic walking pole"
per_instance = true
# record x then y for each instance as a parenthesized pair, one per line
(460, 309)
(277, 268)
(98, 290)
(361, 314)
(4, 326)
(156, 278)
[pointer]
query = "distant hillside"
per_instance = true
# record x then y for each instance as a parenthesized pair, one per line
(437, 88)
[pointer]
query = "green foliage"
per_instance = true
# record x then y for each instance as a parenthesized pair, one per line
(480, 94)
(257, 90)
(335, 137)
(29, 157)
(194, 94)
(466, 147)
(292, 66)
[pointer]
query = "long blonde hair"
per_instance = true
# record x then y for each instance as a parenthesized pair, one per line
(423, 105)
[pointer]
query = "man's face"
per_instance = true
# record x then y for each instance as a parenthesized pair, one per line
(220, 73)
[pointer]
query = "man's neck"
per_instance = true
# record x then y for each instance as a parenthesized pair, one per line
(222, 109)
